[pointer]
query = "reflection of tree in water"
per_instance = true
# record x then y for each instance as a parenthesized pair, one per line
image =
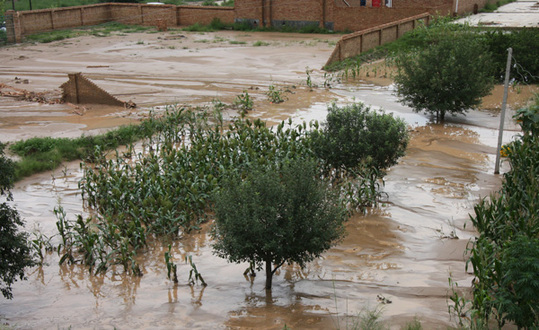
(445, 131)
(278, 309)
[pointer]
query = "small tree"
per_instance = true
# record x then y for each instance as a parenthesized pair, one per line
(14, 249)
(450, 75)
(274, 217)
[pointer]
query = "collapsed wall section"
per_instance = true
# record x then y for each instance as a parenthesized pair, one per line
(80, 90)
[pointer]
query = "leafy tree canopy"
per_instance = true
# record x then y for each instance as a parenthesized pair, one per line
(450, 76)
(274, 217)
(14, 248)
(355, 136)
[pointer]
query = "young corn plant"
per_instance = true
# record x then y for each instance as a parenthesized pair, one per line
(171, 266)
(275, 94)
(41, 245)
(244, 103)
(309, 80)
(194, 275)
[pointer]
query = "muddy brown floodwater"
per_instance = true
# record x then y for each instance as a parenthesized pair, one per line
(404, 251)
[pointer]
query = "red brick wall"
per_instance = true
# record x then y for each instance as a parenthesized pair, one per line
(355, 43)
(125, 13)
(34, 21)
(189, 15)
(95, 14)
(298, 10)
(355, 19)
(343, 17)
(79, 89)
(443, 7)
(248, 9)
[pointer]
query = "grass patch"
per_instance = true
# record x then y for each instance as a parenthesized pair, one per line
(236, 42)
(103, 30)
(260, 43)
(45, 154)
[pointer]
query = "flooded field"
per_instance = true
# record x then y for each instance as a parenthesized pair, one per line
(404, 251)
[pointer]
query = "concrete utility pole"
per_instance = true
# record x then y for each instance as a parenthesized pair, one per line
(502, 115)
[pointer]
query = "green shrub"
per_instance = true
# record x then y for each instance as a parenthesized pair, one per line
(525, 61)
(355, 136)
(517, 297)
(451, 75)
(3, 38)
(505, 255)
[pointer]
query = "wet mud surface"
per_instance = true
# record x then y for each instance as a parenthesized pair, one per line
(404, 251)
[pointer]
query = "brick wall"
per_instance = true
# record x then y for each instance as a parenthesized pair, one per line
(356, 19)
(249, 10)
(95, 14)
(189, 15)
(34, 21)
(336, 14)
(355, 43)
(442, 7)
(142, 14)
(80, 90)
(333, 14)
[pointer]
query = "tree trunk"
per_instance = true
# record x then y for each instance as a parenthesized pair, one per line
(269, 275)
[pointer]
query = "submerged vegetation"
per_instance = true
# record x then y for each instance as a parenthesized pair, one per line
(167, 189)
(45, 154)
(505, 256)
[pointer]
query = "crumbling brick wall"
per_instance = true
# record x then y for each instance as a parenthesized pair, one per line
(80, 90)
